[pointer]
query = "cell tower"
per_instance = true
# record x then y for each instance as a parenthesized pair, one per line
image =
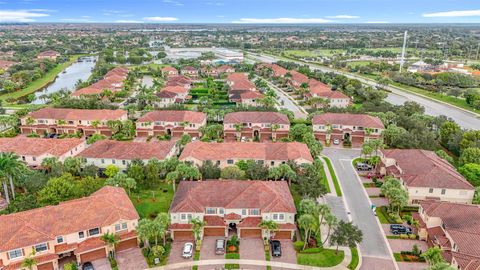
(402, 60)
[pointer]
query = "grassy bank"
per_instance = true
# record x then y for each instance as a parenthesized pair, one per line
(150, 202)
(36, 85)
(355, 259)
(320, 257)
(334, 176)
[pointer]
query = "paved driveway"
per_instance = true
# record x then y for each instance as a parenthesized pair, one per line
(398, 245)
(374, 244)
(176, 253)
(101, 264)
(252, 249)
(289, 255)
(207, 252)
(131, 259)
(412, 266)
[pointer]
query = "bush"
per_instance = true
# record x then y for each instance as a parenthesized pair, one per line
(298, 245)
(413, 236)
(404, 236)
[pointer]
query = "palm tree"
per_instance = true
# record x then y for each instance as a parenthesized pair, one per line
(238, 129)
(10, 167)
(162, 221)
(307, 223)
(30, 121)
(269, 225)
(111, 240)
(197, 228)
(95, 123)
(171, 178)
(433, 256)
(274, 130)
(331, 221)
(145, 230)
(30, 262)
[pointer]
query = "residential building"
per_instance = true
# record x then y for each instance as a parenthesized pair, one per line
(121, 153)
(232, 206)
(50, 55)
(334, 98)
(227, 55)
(454, 228)
(242, 90)
(189, 71)
(240, 81)
(217, 71)
(5, 65)
(425, 176)
(33, 151)
(61, 120)
(113, 81)
(68, 232)
(276, 70)
(356, 128)
(229, 153)
(170, 95)
(297, 79)
(260, 125)
(172, 123)
(180, 80)
(169, 71)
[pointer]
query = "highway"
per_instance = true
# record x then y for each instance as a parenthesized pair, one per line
(397, 96)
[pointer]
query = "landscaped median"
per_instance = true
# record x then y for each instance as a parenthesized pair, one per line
(338, 191)
(320, 257)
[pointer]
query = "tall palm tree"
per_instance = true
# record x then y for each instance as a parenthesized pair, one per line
(111, 240)
(29, 262)
(331, 221)
(307, 223)
(197, 228)
(269, 225)
(10, 168)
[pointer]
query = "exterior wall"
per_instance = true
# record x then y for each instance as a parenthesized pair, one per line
(450, 195)
(191, 128)
(224, 163)
(324, 129)
(35, 161)
(339, 102)
(69, 123)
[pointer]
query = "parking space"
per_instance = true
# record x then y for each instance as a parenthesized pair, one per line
(176, 253)
(131, 259)
(207, 252)
(252, 249)
(399, 245)
(289, 255)
(101, 264)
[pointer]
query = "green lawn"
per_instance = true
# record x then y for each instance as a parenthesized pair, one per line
(334, 176)
(324, 180)
(42, 82)
(381, 216)
(235, 256)
(355, 259)
(320, 257)
(150, 202)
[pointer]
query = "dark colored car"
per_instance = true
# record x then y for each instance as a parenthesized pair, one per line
(276, 248)
(88, 266)
(364, 167)
(400, 229)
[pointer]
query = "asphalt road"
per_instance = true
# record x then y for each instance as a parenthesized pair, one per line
(374, 245)
(287, 102)
(464, 118)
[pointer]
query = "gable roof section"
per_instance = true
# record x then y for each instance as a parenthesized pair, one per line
(24, 146)
(128, 150)
(268, 196)
(104, 207)
(246, 151)
(348, 119)
(77, 114)
(174, 116)
(422, 168)
(256, 117)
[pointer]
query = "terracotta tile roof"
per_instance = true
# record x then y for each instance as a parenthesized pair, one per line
(287, 226)
(128, 150)
(256, 117)
(347, 119)
(214, 221)
(174, 116)
(49, 53)
(225, 68)
(268, 196)
(178, 80)
(169, 69)
(332, 94)
(466, 261)
(189, 68)
(6, 64)
(103, 208)
(250, 222)
(77, 114)
(127, 235)
(38, 259)
(112, 81)
(90, 244)
(461, 221)
(166, 94)
(278, 71)
(175, 89)
(246, 150)
(239, 95)
(298, 77)
(239, 81)
(232, 216)
(65, 247)
(422, 168)
(24, 146)
(178, 226)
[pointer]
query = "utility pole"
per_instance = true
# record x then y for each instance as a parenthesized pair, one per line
(402, 60)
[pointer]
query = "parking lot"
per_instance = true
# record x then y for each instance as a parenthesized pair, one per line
(176, 253)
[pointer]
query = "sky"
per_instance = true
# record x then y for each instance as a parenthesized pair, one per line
(241, 11)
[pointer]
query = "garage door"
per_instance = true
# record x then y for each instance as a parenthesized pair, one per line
(283, 235)
(142, 133)
(26, 130)
(106, 132)
(249, 233)
(183, 235)
(131, 243)
(214, 231)
(93, 255)
(45, 266)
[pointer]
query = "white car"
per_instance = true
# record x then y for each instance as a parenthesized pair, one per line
(187, 250)
(336, 141)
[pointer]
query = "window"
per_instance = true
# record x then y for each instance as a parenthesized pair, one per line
(230, 161)
(17, 253)
(41, 247)
(185, 216)
(443, 191)
(34, 158)
(113, 161)
(211, 210)
(103, 161)
(278, 216)
(81, 235)
(59, 239)
(94, 231)
(124, 226)
(23, 158)
(254, 212)
(218, 162)
(221, 211)
(430, 190)
(120, 226)
(244, 212)
(272, 163)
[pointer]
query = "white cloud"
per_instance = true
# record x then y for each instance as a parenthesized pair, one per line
(282, 20)
(377, 22)
(454, 13)
(77, 20)
(128, 21)
(20, 15)
(173, 2)
(343, 17)
(160, 19)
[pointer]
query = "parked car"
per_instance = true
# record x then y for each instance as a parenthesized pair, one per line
(400, 229)
(364, 166)
(276, 248)
(88, 266)
(220, 246)
(187, 250)
(336, 141)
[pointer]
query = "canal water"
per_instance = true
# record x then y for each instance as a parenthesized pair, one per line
(80, 70)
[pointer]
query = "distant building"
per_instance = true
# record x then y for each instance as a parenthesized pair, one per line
(242, 90)
(190, 71)
(4, 65)
(333, 98)
(229, 55)
(169, 71)
(173, 123)
(50, 55)
(112, 81)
